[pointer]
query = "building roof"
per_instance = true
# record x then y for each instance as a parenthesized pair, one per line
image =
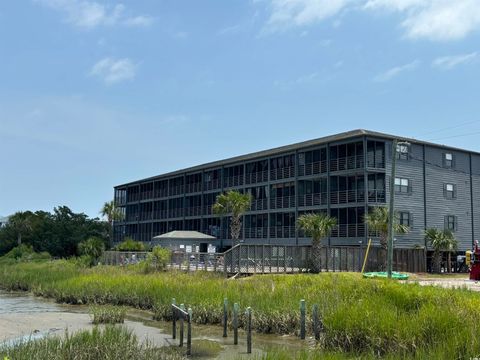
(304, 144)
(184, 235)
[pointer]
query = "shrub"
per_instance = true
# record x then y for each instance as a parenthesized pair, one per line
(130, 245)
(93, 248)
(25, 253)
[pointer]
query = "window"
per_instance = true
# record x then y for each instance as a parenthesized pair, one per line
(402, 185)
(451, 223)
(449, 191)
(403, 151)
(448, 160)
(404, 218)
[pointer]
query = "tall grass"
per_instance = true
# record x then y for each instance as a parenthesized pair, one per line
(360, 316)
(112, 343)
(107, 314)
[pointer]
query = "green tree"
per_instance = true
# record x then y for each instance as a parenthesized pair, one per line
(440, 241)
(158, 259)
(317, 226)
(128, 244)
(235, 204)
(93, 248)
(21, 223)
(111, 213)
(377, 220)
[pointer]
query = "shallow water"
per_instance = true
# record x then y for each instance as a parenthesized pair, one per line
(26, 317)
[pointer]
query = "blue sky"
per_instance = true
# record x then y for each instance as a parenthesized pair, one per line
(94, 93)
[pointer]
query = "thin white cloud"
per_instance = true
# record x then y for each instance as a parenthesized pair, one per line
(449, 62)
(91, 14)
(113, 71)
(296, 13)
(438, 20)
(396, 71)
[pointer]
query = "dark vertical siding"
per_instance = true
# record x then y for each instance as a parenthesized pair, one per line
(437, 205)
(476, 194)
(411, 169)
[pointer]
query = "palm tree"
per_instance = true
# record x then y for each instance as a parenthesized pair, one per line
(377, 220)
(111, 213)
(21, 222)
(440, 240)
(236, 204)
(317, 226)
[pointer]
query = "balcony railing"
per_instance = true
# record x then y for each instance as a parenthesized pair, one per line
(282, 202)
(347, 196)
(314, 168)
(282, 232)
(160, 214)
(174, 213)
(193, 187)
(160, 193)
(348, 230)
(256, 177)
(282, 173)
(376, 196)
(193, 211)
(146, 195)
(176, 190)
(258, 204)
(346, 163)
(212, 185)
(233, 181)
(372, 162)
(146, 216)
(133, 197)
(256, 233)
(316, 199)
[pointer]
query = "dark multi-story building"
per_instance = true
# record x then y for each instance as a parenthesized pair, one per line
(343, 175)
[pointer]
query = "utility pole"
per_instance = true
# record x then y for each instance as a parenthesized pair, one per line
(391, 213)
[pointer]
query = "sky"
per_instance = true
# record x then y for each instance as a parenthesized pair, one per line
(98, 93)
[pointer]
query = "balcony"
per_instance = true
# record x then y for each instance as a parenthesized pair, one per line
(212, 185)
(175, 213)
(315, 168)
(256, 177)
(256, 233)
(193, 187)
(316, 199)
(347, 163)
(282, 232)
(282, 202)
(176, 190)
(348, 230)
(161, 193)
(347, 196)
(160, 214)
(258, 204)
(282, 173)
(193, 211)
(146, 195)
(232, 181)
(376, 196)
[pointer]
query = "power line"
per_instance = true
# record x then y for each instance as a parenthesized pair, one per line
(449, 127)
(456, 136)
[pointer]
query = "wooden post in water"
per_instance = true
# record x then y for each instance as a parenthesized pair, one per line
(249, 330)
(235, 324)
(316, 322)
(181, 325)
(302, 319)
(225, 316)
(189, 332)
(174, 314)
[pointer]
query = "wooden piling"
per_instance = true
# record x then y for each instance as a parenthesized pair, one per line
(316, 322)
(174, 315)
(189, 332)
(235, 324)
(249, 330)
(225, 317)
(181, 325)
(302, 319)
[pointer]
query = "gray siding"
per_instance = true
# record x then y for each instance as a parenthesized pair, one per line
(413, 202)
(437, 206)
(476, 195)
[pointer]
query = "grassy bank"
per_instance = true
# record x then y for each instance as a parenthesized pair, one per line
(360, 317)
(115, 343)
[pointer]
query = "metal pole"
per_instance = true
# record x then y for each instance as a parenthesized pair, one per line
(225, 317)
(189, 332)
(235, 324)
(302, 319)
(391, 213)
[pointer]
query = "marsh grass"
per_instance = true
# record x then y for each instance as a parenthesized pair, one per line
(111, 343)
(361, 317)
(107, 314)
